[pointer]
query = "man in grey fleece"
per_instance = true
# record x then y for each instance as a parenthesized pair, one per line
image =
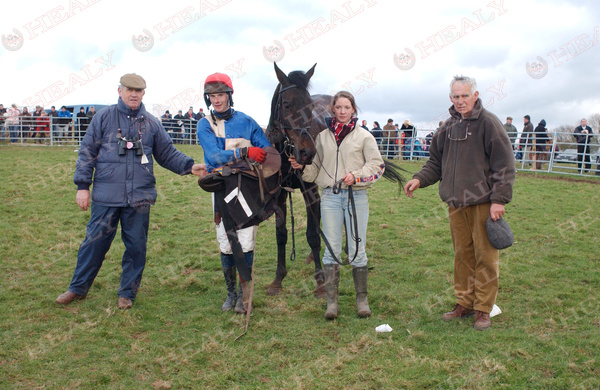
(472, 158)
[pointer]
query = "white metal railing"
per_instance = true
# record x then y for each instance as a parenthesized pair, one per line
(569, 158)
(47, 130)
(551, 155)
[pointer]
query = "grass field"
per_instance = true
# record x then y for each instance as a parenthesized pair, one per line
(177, 337)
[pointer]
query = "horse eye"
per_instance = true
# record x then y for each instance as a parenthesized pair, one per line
(286, 105)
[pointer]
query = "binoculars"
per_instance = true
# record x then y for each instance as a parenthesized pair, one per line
(129, 144)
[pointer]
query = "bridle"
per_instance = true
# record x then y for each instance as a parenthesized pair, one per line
(290, 150)
(281, 127)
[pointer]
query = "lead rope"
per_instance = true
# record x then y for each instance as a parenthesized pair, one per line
(351, 211)
(293, 252)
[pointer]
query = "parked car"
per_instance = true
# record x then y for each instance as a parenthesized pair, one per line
(566, 156)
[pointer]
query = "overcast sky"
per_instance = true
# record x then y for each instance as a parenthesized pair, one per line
(397, 57)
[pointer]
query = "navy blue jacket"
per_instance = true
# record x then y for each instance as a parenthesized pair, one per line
(122, 180)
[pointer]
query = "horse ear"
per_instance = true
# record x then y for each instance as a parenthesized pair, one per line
(283, 79)
(310, 72)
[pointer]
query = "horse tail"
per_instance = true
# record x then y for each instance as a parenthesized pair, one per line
(393, 173)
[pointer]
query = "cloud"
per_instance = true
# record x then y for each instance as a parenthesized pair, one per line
(353, 42)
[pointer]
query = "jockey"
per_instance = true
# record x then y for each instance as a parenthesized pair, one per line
(228, 136)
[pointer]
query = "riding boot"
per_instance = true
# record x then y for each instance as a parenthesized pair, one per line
(229, 273)
(360, 285)
(332, 281)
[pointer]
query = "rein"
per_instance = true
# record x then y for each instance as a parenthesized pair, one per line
(281, 128)
(353, 226)
(289, 150)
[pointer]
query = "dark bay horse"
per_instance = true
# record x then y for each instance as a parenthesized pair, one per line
(296, 120)
(292, 130)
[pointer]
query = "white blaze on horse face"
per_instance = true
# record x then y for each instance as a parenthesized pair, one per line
(343, 110)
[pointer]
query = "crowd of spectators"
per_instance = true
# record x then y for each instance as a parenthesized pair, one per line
(532, 145)
(396, 141)
(19, 125)
(182, 127)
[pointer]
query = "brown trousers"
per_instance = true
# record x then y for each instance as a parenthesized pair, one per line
(476, 268)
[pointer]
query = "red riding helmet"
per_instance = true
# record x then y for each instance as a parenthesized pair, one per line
(218, 82)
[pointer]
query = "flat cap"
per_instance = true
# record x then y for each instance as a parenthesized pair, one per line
(499, 233)
(133, 81)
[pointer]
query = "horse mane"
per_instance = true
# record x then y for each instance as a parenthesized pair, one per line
(298, 78)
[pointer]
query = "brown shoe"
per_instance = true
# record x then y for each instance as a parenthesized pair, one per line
(124, 303)
(457, 312)
(482, 320)
(68, 297)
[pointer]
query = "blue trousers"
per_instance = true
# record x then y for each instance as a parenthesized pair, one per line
(100, 232)
(334, 212)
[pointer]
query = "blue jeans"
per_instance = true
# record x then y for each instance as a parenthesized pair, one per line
(100, 232)
(334, 211)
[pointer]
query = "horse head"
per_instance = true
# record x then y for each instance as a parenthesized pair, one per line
(290, 125)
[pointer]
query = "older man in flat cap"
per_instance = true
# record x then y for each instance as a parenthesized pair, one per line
(117, 155)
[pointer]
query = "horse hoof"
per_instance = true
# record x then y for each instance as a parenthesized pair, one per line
(274, 289)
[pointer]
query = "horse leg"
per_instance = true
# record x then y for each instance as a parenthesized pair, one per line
(313, 212)
(281, 234)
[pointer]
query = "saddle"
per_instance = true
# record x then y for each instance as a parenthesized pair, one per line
(240, 183)
(215, 181)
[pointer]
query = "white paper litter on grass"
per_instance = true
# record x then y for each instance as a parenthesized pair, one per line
(383, 328)
(495, 311)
